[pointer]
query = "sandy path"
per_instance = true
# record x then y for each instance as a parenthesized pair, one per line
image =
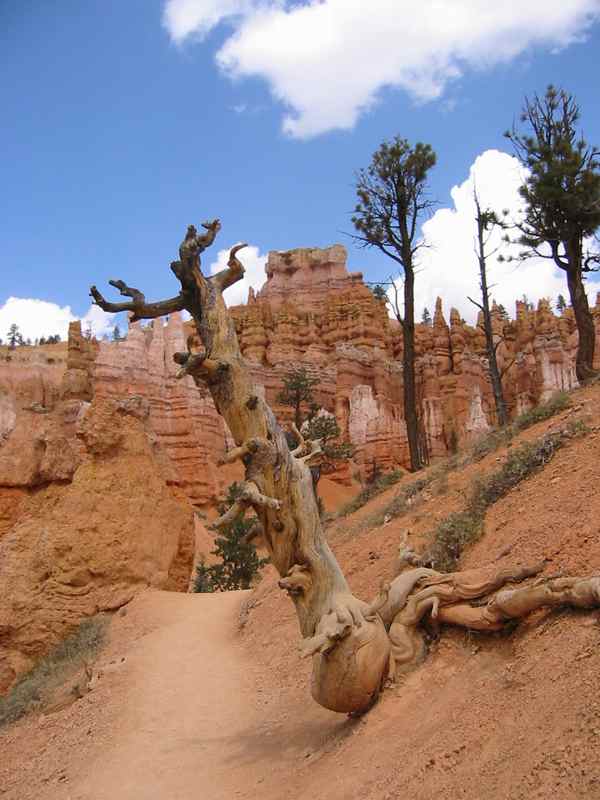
(181, 729)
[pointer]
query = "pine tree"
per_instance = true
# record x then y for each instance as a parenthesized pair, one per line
(14, 336)
(325, 428)
(426, 317)
(116, 334)
(297, 391)
(379, 292)
(239, 563)
(392, 201)
(561, 304)
(561, 194)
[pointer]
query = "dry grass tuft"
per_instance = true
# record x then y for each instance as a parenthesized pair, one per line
(34, 689)
(461, 528)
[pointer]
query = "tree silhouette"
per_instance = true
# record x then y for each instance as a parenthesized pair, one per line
(486, 222)
(14, 336)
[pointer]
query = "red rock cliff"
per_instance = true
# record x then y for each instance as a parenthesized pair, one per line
(313, 312)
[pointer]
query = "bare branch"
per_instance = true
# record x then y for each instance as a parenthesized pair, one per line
(249, 496)
(475, 303)
(301, 441)
(505, 369)
(396, 303)
(232, 273)
(198, 364)
(138, 306)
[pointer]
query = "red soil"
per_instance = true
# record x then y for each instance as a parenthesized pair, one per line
(201, 708)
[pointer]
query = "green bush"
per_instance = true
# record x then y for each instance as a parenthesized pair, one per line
(489, 443)
(554, 405)
(451, 536)
(239, 563)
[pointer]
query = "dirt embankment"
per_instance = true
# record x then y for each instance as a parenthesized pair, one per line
(202, 708)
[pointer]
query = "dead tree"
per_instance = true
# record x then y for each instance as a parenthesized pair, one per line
(486, 222)
(346, 637)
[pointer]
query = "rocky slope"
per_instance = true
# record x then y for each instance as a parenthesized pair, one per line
(505, 717)
(87, 518)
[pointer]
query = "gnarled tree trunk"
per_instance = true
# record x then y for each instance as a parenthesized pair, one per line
(278, 487)
(346, 637)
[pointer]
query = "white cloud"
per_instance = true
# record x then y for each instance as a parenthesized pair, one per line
(100, 321)
(254, 276)
(184, 18)
(328, 60)
(448, 266)
(37, 318)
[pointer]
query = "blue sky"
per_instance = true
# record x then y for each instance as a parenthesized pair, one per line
(126, 121)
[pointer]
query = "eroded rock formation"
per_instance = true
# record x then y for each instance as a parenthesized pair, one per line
(313, 312)
(310, 312)
(86, 516)
(344, 335)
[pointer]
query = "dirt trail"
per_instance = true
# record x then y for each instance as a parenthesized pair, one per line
(188, 706)
(185, 713)
(181, 710)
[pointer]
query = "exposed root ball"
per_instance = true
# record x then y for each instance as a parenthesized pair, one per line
(350, 677)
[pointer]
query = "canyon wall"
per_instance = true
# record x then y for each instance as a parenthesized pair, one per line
(104, 454)
(87, 516)
(312, 312)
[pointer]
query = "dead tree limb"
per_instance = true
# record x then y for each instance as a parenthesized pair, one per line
(278, 485)
(345, 636)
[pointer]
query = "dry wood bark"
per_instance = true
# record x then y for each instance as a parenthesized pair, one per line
(349, 640)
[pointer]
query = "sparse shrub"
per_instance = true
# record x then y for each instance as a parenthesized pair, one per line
(34, 687)
(451, 536)
(459, 529)
(520, 464)
(488, 443)
(497, 438)
(554, 405)
(406, 498)
(372, 489)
